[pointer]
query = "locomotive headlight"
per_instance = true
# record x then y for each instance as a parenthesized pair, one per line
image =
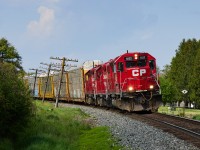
(130, 88)
(151, 86)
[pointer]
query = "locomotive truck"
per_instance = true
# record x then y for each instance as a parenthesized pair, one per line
(128, 82)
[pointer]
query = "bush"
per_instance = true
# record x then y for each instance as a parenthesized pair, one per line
(197, 117)
(15, 102)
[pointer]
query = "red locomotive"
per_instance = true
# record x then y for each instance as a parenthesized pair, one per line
(128, 82)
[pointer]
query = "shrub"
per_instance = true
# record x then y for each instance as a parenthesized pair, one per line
(15, 102)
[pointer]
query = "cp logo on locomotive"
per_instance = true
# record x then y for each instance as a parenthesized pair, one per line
(138, 72)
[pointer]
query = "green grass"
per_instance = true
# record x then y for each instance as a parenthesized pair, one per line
(60, 129)
(97, 138)
(196, 117)
(184, 112)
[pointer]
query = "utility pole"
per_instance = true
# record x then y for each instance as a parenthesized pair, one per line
(61, 75)
(35, 79)
(49, 68)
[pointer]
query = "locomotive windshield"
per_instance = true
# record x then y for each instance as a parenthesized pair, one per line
(141, 62)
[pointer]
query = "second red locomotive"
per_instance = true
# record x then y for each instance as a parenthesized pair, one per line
(129, 82)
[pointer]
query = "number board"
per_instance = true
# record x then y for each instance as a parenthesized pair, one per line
(142, 57)
(128, 58)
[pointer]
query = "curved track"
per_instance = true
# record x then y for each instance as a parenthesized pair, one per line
(185, 129)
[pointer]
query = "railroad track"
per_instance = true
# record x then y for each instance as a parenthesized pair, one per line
(185, 129)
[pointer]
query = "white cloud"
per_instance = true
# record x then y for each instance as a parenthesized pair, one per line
(44, 26)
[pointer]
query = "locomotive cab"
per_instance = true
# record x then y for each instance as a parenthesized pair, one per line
(140, 74)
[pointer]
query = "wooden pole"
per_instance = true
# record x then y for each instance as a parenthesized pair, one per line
(61, 75)
(60, 81)
(36, 71)
(46, 82)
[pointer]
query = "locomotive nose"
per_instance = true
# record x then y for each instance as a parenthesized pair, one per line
(136, 84)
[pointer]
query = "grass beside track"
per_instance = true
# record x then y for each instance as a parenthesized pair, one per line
(184, 112)
(61, 129)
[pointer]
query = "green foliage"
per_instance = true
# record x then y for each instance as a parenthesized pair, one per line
(9, 54)
(195, 82)
(15, 102)
(183, 73)
(6, 144)
(168, 91)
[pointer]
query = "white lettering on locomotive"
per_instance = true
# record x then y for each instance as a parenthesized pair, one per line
(135, 73)
(138, 72)
(142, 71)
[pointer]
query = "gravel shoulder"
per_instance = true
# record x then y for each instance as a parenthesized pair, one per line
(132, 134)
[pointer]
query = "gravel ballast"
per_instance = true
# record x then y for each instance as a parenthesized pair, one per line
(133, 134)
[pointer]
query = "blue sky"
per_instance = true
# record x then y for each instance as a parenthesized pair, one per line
(97, 29)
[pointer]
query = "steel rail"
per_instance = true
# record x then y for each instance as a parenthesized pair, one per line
(196, 121)
(192, 133)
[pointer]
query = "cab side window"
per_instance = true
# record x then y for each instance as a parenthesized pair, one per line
(151, 64)
(121, 66)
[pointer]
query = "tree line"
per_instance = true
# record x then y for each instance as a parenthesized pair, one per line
(183, 74)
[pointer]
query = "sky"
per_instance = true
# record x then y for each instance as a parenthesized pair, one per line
(97, 29)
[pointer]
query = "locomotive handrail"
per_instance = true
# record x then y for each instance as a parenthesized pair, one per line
(156, 79)
(125, 82)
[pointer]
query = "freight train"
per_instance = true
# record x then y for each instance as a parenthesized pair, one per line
(128, 82)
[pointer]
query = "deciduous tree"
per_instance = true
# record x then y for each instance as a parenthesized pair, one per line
(168, 90)
(9, 54)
